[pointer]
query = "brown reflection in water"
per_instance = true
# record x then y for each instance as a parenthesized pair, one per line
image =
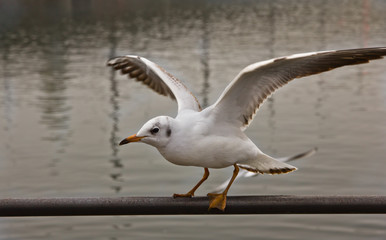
(116, 161)
(204, 56)
(7, 97)
(53, 99)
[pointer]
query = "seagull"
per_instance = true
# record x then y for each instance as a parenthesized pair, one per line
(214, 137)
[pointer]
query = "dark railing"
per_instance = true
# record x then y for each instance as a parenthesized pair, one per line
(196, 205)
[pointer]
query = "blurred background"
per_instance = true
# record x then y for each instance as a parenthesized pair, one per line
(62, 111)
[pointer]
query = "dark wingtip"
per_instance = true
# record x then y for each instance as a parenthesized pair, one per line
(110, 62)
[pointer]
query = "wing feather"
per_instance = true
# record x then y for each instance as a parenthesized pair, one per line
(156, 78)
(254, 84)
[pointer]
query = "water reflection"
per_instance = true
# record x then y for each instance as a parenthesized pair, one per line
(204, 57)
(366, 13)
(7, 100)
(321, 91)
(116, 161)
(53, 99)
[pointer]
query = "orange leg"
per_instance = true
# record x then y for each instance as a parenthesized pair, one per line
(191, 192)
(218, 200)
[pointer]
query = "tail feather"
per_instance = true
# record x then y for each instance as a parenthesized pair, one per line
(266, 164)
(245, 173)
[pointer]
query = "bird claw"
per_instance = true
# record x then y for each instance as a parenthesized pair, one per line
(217, 200)
(185, 195)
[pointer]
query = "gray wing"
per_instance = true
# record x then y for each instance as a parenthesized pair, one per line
(155, 77)
(255, 83)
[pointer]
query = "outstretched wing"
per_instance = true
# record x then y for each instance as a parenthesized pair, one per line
(255, 83)
(157, 79)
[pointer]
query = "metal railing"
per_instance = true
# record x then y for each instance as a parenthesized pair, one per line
(197, 205)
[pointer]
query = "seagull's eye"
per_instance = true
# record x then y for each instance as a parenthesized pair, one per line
(154, 130)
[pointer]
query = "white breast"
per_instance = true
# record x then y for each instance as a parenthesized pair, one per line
(196, 141)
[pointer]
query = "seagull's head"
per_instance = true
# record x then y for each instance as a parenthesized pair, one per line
(155, 132)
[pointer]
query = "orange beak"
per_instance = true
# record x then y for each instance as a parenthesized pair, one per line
(132, 138)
